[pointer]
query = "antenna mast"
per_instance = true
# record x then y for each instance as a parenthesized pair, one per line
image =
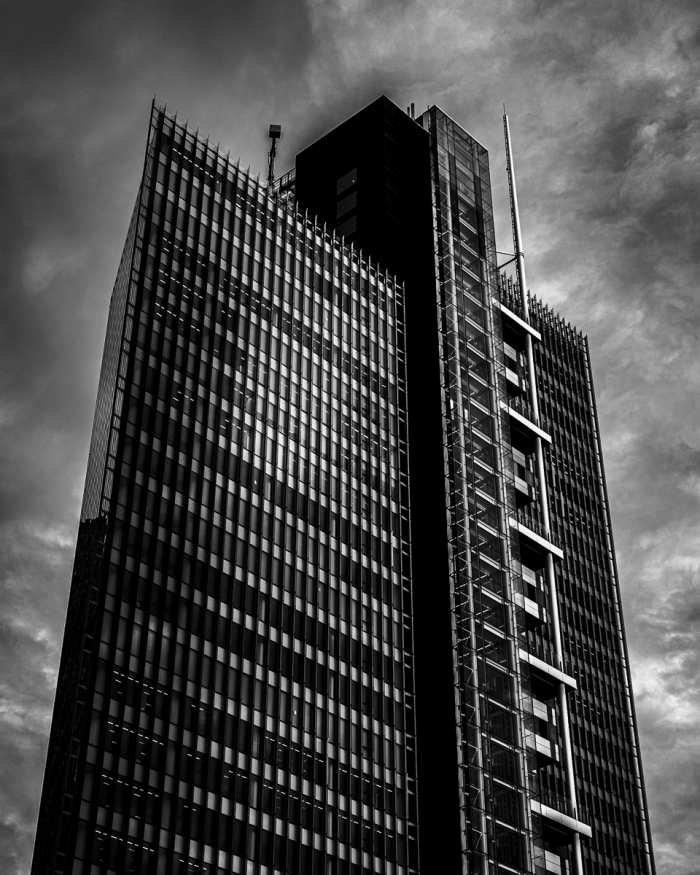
(274, 135)
(515, 218)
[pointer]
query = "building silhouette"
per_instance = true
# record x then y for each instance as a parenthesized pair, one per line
(345, 596)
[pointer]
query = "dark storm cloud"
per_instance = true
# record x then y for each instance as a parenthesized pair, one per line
(611, 207)
(604, 107)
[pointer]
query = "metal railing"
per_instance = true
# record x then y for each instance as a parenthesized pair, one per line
(537, 527)
(509, 296)
(522, 406)
(284, 184)
(561, 803)
(547, 654)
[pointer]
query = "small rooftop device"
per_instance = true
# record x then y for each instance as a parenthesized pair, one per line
(274, 135)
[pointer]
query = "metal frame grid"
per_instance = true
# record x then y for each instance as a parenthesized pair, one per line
(491, 709)
(249, 695)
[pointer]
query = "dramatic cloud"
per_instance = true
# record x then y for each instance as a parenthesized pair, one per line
(605, 107)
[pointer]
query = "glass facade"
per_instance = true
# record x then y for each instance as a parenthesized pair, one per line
(491, 701)
(242, 700)
(283, 655)
(605, 744)
(550, 774)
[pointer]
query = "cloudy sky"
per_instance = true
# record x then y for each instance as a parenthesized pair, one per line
(604, 101)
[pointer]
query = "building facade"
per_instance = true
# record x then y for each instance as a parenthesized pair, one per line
(605, 746)
(236, 685)
(345, 596)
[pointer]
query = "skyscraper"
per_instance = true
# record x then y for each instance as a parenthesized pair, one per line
(345, 596)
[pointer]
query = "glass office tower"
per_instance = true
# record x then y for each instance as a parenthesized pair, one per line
(345, 597)
(235, 687)
(499, 721)
(550, 771)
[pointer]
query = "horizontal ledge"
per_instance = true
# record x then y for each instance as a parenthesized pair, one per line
(537, 539)
(559, 817)
(518, 321)
(523, 420)
(546, 668)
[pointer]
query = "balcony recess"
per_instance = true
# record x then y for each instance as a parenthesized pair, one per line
(552, 863)
(516, 324)
(546, 672)
(524, 489)
(534, 614)
(520, 421)
(547, 752)
(516, 384)
(526, 529)
(543, 739)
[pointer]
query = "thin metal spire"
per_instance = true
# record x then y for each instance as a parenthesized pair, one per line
(515, 218)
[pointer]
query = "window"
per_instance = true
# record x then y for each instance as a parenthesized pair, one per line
(345, 182)
(346, 204)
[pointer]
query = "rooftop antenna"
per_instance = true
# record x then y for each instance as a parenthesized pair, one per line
(274, 135)
(515, 216)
